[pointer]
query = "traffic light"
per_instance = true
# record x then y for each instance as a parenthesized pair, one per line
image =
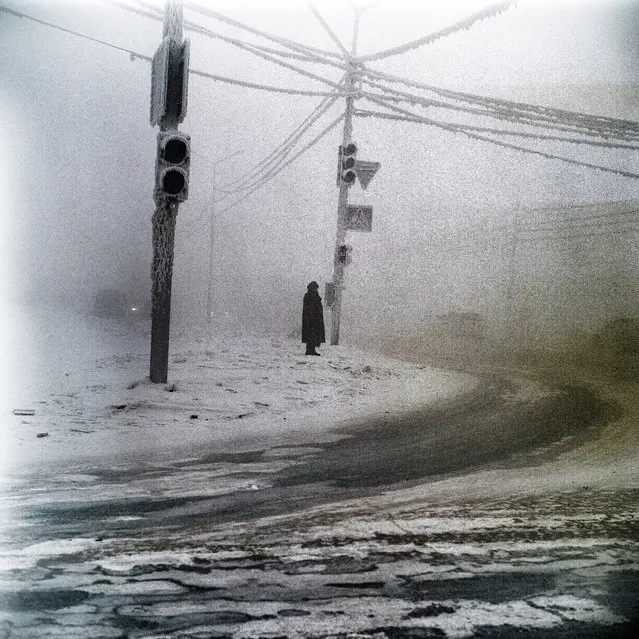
(172, 166)
(347, 159)
(345, 254)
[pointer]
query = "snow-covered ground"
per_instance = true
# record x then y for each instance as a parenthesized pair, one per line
(547, 546)
(86, 381)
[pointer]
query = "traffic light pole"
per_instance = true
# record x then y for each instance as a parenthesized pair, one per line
(163, 222)
(342, 201)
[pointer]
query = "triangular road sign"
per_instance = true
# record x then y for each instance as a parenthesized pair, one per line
(365, 171)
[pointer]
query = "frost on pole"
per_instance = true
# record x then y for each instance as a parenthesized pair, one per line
(172, 26)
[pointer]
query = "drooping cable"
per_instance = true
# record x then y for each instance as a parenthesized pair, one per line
(141, 56)
(480, 129)
(283, 149)
(620, 127)
(272, 174)
(261, 54)
(502, 114)
(476, 136)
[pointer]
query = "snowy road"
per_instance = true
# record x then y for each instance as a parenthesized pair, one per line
(158, 490)
(288, 541)
(474, 515)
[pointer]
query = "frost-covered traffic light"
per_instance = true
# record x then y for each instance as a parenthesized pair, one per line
(172, 166)
(345, 254)
(347, 159)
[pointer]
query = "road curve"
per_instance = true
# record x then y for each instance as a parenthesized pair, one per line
(487, 426)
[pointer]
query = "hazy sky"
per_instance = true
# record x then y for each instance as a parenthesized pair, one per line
(78, 151)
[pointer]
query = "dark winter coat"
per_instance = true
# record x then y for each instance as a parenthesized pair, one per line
(313, 319)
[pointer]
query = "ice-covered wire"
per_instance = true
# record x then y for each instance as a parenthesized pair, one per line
(194, 228)
(328, 30)
(18, 14)
(275, 172)
(502, 114)
(260, 54)
(476, 136)
(283, 149)
(155, 15)
(442, 33)
(521, 134)
(153, 12)
(141, 56)
(296, 46)
(278, 156)
(524, 122)
(616, 126)
(261, 87)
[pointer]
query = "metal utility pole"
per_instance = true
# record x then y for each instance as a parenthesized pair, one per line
(209, 297)
(169, 89)
(342, 201)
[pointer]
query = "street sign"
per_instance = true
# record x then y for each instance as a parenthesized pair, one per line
(366, 171)
(359, 218)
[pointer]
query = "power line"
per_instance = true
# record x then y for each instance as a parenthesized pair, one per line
(255, 51)
(554, 238)
(261, 87)
(468, 127)
(476, 136)
(601, 125)
(18, 14)
(303, 57)
(280, 152)
(503, 114)
(233, 41)
(250, 48)
(136, 54)
(429, 39)
(282, 41)
(573, 226)
(328, 30)
(271, 175)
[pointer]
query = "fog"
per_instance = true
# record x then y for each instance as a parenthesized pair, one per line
(78, 153)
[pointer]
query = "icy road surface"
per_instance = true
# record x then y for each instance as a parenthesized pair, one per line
(268, 495)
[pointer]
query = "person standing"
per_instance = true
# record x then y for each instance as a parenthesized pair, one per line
(313, 333)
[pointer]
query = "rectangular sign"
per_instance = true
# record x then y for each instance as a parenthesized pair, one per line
(359, 218)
